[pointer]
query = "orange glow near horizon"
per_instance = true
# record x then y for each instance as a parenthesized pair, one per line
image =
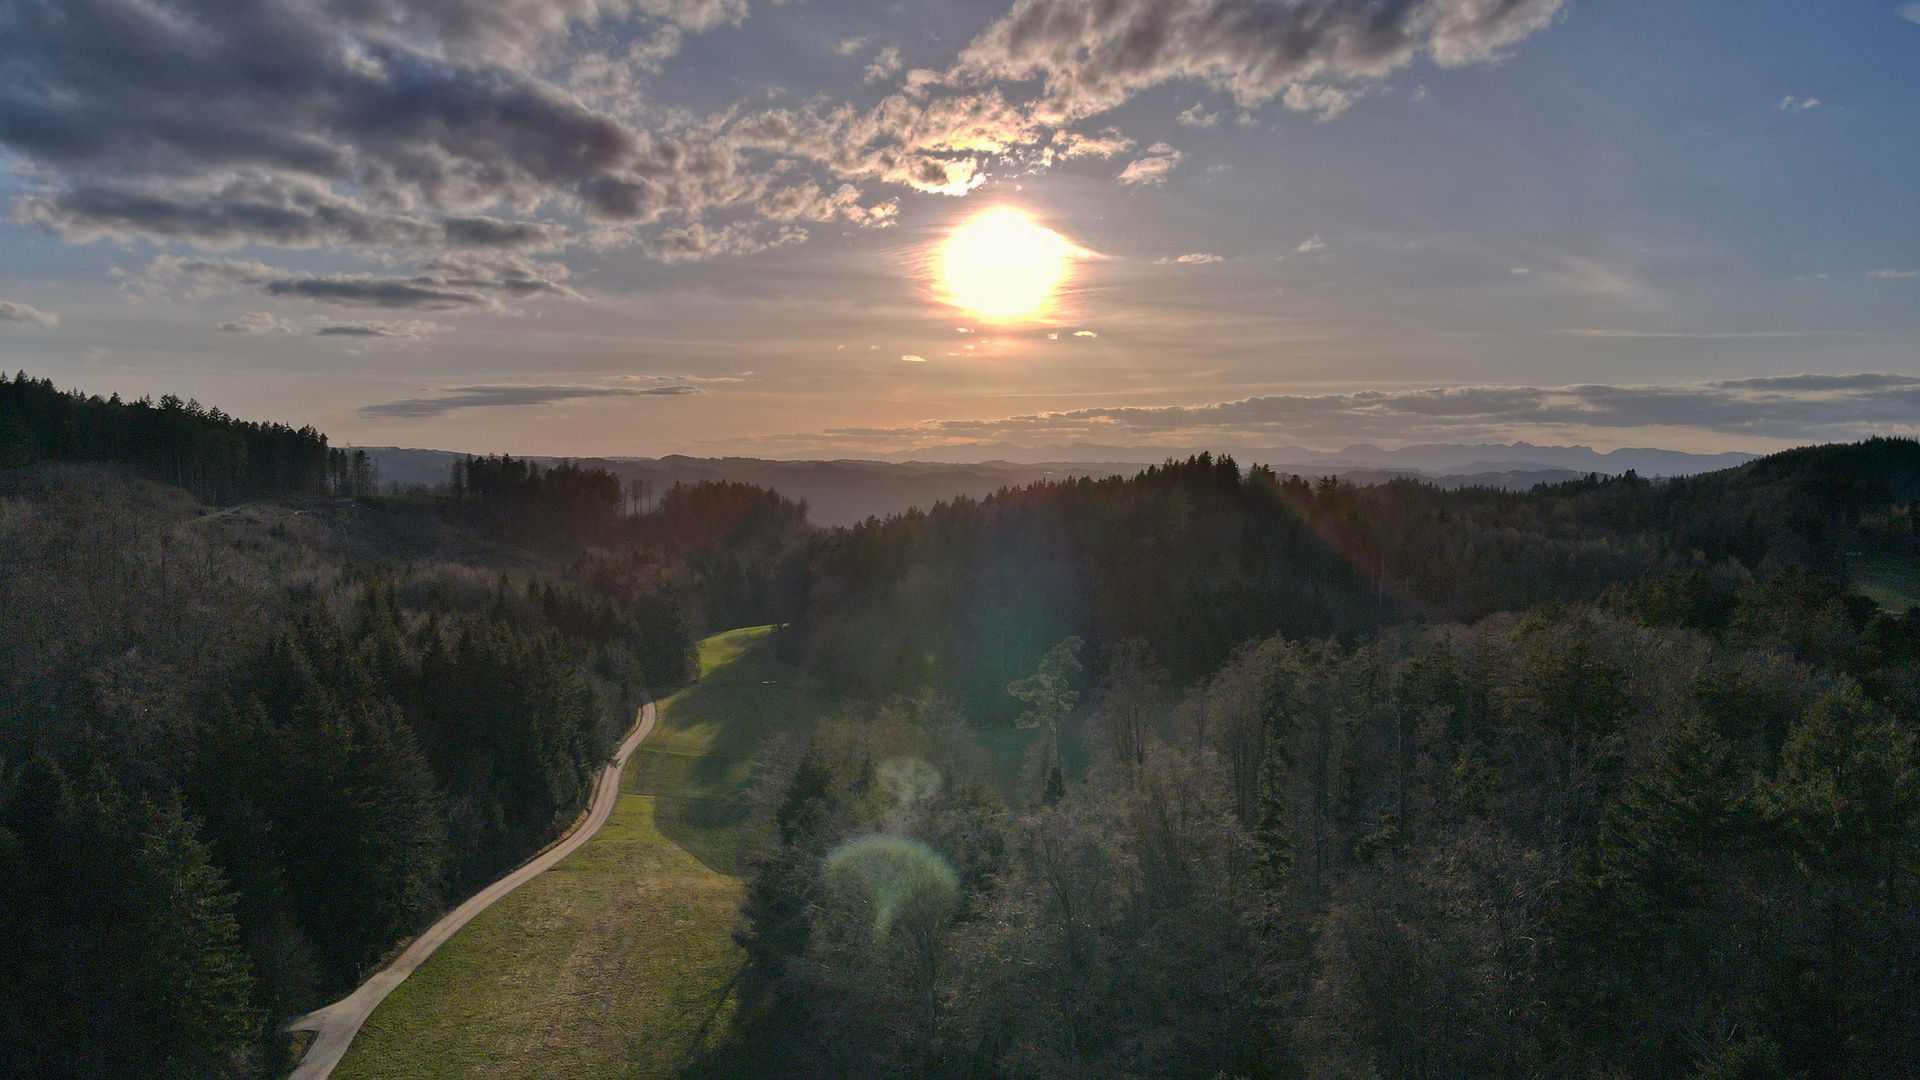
(1001, 265)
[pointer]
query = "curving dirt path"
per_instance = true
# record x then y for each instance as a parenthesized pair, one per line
(337, 1024)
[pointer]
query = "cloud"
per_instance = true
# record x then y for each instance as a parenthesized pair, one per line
(257, 322)
(369, 291)
(1893, 273)
(935, 145)
(288, 212)
(1091, 55)
(445, 283)
(1311, 243)
(851, 46)
(940, 132)
(1108, 143)
(1910, 12)
(913, 359)
(1520, 270)
(1794, 104)
(1152, 169)
(1197, 117)
(1328, 101)
(409, 328)
(21, 313)
(696, 241)
(1718, 334)
(478, 397)
(1085, 334)
(1193, 258)
(885, 63)
(807, 202)
(1794, 407)
(389, 123)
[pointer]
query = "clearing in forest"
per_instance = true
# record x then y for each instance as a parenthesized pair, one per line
(618, 961)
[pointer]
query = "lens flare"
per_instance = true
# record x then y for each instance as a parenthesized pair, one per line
(1001, 265)
(896, 874)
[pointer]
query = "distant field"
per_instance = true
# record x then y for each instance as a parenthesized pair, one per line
(1892, 583)
(698, 765)
(617, 962)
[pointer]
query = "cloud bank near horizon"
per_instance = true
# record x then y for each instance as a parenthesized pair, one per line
(1768, 411)
(457, 398)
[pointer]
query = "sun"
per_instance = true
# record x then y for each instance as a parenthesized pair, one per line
(1000, 265)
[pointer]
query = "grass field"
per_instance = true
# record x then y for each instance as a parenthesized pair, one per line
(617, 962)
(699, 764)
(1892, 583)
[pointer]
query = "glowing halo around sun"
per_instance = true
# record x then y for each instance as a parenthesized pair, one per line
(1001, 265)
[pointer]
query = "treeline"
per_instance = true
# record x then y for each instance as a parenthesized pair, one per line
(1558, 843)
(1198, 556)
(523, 500)
(200, 449)
(1608, 778)
(1194, 557)
(744, 547)
(1466, 553)
(236, 768)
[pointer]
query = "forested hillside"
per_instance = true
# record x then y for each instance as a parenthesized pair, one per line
(1196, 557)
(258, 727)
(1609, 779)
(1204, 773)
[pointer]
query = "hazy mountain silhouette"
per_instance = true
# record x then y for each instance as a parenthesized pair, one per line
(844, 491)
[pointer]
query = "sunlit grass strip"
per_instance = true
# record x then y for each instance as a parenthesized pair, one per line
(616, 962)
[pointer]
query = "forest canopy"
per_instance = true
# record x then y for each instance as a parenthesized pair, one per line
(1205, 772)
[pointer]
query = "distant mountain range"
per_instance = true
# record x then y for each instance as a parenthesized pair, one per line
(846, 491)
(1435, 458)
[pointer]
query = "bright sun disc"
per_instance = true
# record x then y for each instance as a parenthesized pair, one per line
(1000, 265)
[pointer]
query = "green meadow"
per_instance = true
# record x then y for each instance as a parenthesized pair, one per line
(619, 961)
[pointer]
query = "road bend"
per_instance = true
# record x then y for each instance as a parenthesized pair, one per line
(335, 1026)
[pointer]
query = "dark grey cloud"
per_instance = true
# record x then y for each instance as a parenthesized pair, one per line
(477, 397)
(418, 293)
(230, 121)
(21, 313)
(449, 283)
(1094, 54)
(264, 209)
(410, 328)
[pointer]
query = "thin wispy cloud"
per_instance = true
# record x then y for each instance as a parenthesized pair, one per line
(405, 329)
(1784, 407)
(21, 313)
(1716, 334)
(1152, 169)
(257, 322)
(487, 397)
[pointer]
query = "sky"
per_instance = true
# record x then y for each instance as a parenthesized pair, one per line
(639, 227)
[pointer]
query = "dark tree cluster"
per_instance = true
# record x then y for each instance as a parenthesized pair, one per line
(235, 769)
(1467, 553)
(1196, 557)
(1193, 557)
(744, 547)
(1611, 778)
(218, 458)
(522, 500)
(1557, 843)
